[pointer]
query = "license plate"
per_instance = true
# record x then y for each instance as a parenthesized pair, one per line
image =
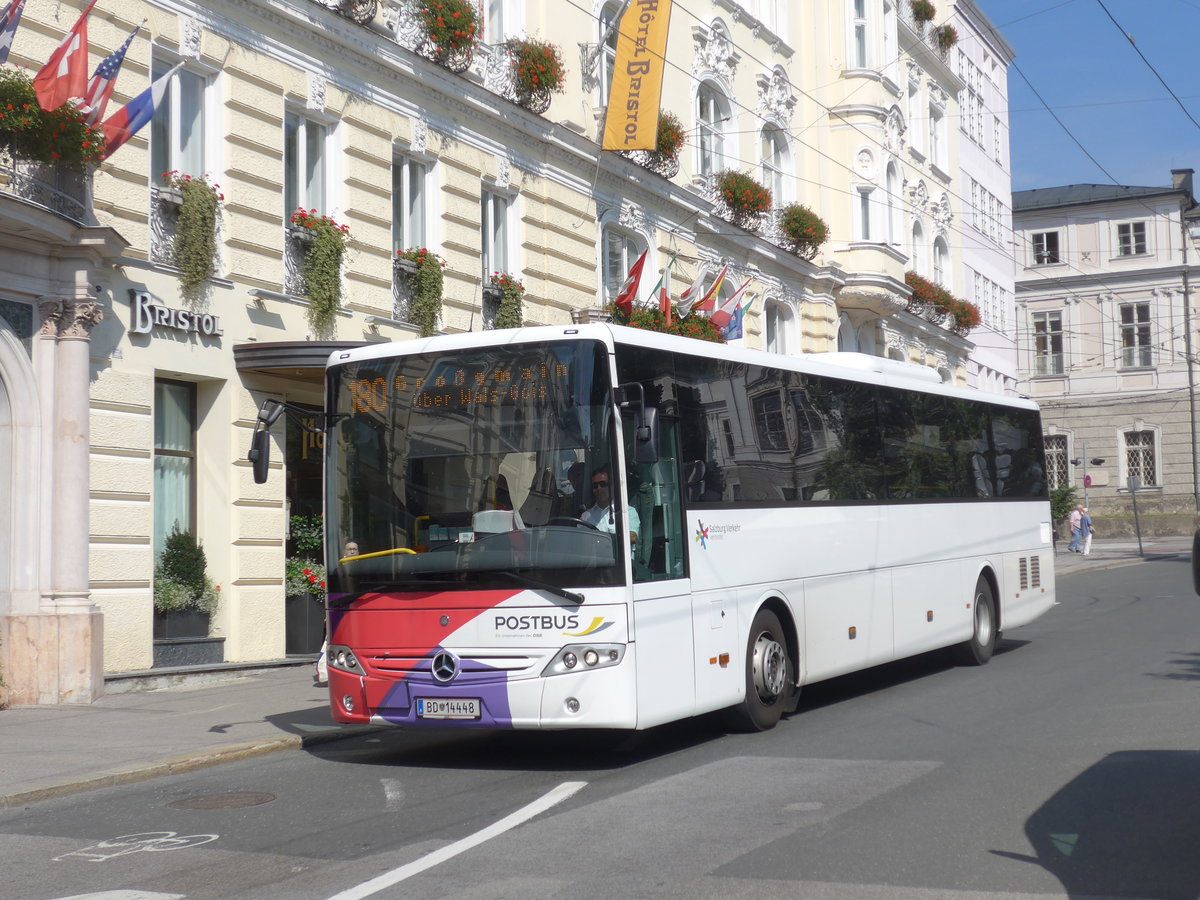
(447, 708)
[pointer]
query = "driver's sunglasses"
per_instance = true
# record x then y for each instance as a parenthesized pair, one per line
(603, 483)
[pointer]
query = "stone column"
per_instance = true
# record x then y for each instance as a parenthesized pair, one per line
(80, 623)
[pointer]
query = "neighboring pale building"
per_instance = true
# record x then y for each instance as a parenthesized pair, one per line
(987, 273)
(843, 106)
(1104, 314)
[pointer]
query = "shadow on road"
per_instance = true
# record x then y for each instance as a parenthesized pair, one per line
(1125, 827)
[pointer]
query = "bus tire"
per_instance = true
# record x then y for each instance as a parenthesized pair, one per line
(979, 648)
(769, 677)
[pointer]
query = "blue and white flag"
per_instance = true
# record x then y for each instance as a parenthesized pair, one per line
(9, 20)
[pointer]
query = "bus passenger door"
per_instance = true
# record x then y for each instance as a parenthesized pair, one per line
(662, 601)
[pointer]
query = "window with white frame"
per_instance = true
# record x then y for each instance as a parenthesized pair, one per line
(303, 163)
(937, 135)
(774, 149)
(941, 262)
(621, 250)
(494, 225)
(408, 203)
(893, 204)
(863, 213)
(915, 115)
(174, 459)
(1131, 238)
(1140, 455)
(1136, 349)
(778, 326)
(1058, 473)
(177, 129)
(1047, 343)
(712, 108)
(1045, 248)
(607, 38)
(860, 34)
(891, 58)
(493, 21)
(919, 254)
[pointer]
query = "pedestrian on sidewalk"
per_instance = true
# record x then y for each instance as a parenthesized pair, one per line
(1076, 529)
(1086, 530)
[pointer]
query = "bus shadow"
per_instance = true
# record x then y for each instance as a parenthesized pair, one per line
(522, 751)
(1125, 827)
(886, 676)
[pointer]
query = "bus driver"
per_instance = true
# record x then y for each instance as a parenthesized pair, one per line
(600, 513)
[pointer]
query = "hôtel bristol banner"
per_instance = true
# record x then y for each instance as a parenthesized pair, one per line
(631, 122)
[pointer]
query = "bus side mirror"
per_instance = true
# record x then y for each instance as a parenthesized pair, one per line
(260, 442)
(260, 454)
(645, 439)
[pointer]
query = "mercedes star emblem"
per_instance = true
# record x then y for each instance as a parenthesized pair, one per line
(445, 666)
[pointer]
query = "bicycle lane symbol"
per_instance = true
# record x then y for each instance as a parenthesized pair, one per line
(147, 841)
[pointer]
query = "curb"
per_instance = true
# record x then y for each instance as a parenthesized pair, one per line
(174, 765)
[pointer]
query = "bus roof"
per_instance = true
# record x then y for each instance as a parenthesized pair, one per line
(860, 367)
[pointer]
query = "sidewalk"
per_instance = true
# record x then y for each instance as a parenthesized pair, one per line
(203, 719)
(51, 751)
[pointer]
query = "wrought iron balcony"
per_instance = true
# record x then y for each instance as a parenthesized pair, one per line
(62, 191)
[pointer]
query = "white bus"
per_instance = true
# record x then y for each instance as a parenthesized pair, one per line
(774, 521)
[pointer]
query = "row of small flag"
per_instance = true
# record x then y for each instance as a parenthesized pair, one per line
(727, 316)
(64, 78)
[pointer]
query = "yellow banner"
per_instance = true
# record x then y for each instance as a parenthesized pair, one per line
(631, 122)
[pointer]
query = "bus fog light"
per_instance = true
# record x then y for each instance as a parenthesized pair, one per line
(595, 656)
(348, 703)
(572, 705)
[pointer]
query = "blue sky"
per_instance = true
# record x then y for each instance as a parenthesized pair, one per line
(1085, 69)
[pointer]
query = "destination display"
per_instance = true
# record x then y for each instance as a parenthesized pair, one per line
(460, 389)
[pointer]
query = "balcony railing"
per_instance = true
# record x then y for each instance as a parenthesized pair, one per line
(62, 191)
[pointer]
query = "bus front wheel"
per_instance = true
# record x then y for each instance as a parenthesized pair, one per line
(769, 677)
(978, 649)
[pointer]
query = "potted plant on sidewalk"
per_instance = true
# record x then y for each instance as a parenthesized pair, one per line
(304, 586)
(185, 599)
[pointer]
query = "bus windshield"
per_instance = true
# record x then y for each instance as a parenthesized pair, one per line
(467, 469)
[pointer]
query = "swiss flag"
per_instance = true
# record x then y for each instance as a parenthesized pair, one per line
(65, 73)
(629, 289)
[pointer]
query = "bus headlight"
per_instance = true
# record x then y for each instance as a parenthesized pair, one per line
(343, 658)
(593, 656)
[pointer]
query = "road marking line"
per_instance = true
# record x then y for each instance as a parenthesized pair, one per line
(387, 879)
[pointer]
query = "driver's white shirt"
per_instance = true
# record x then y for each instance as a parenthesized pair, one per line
(599, 516)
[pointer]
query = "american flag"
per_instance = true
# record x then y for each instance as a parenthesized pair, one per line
(9, 19)
(100, 88)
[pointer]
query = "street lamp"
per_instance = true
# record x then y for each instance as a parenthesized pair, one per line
(1083, 461)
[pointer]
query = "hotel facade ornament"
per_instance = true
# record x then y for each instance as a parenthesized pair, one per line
(51, 312)
(316, 92)
(776, 100)
(714, 51)
(190, 35)
(79, 318)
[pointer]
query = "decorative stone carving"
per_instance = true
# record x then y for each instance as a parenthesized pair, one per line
(79, 318)
(420, 135)
(503, 171)
(942, 213)
(633, 217)
(864, 164)
(51, 312)
(714, 51)
(918, 196)
(190, 34)
(316, 92)
(776, 100)
(893, 131)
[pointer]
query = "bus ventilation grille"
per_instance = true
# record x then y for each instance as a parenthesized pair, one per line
(1031, 572)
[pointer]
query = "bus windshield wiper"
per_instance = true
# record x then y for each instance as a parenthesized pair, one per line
(541, 585)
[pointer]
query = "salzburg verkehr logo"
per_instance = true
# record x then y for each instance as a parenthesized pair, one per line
(702, 535)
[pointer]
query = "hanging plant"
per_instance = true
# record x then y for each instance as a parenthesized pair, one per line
(923, 11)
(804, 229)
(745, 198)
(538, 71)
(966, 316)
(426, 287)
(945, 36)
(322, 267)
(651, 318)
(511, 292)
(452, 28)
(669, 140)
(59, 137)
(195, 232)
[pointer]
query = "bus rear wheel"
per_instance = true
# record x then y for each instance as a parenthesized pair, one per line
(769, 677)
(979, 648)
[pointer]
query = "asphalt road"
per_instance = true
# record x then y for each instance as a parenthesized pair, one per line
(1068, 766)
